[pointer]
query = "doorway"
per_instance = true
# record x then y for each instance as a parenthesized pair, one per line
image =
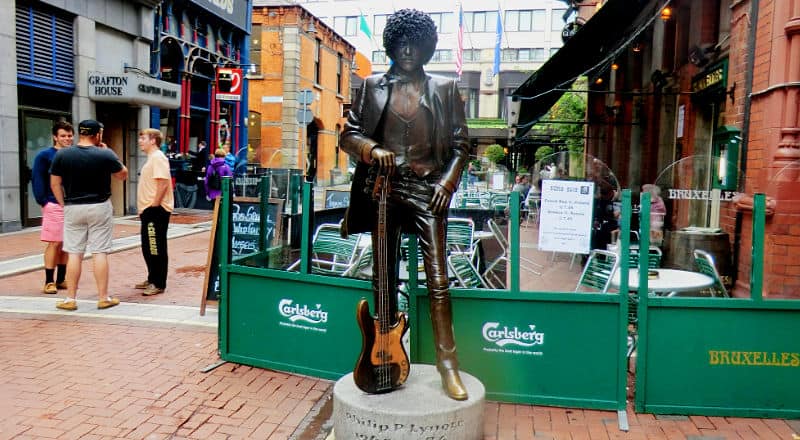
(35, 136)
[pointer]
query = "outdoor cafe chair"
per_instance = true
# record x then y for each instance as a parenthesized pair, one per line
(705, 262)
(531, 207)
(494, 270)
(596, 275)
(653, 257)
(330, 253)
(460, 264)
(460, 235)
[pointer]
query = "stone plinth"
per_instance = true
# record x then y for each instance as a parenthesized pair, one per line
(418, 410)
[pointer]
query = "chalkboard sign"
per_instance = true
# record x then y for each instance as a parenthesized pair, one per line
(335, 198)
(244, 237)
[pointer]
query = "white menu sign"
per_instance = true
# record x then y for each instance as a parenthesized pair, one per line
(566, 216)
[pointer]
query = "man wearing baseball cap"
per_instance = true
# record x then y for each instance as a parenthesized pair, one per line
(80, 178)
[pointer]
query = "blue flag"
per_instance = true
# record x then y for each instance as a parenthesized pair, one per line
(497, 38)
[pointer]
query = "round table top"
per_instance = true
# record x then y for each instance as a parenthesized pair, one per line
(669, 280)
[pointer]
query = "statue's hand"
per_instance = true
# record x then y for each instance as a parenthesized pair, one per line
(384, 159)
(440, 201)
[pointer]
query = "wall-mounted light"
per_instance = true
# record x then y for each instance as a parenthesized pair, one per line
(614, 66)
(666, 13)
(598, 81)
(636, 47)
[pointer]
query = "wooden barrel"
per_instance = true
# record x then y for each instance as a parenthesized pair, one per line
(680, 245)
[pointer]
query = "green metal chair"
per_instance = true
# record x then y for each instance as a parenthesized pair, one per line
(460, 264)
(460, 234)
(494, 270)
(653, 257)
(331, 254)
(596, 275)
(705, 263)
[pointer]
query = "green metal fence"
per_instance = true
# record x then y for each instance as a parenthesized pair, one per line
(719, 356)
(714, 356)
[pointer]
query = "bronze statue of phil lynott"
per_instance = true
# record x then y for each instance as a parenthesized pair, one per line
(410, 126)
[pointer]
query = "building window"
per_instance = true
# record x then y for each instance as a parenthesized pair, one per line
(525, 54)
(442, 56)
(444, 21)
(526, 20)
(471, 55)
(379, 23)
(317, 63)
(44, 49)
(378, 57)
(255, 51)
(339, 74)
(557, 19)
(470, 97)
(480, 21)
(347, 26)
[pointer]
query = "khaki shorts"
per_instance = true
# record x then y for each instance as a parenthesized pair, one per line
(52, 222)
(88, 228)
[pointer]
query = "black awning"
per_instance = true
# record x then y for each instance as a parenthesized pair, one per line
(603, 34)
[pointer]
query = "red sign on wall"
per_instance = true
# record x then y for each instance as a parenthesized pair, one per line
(229, 84)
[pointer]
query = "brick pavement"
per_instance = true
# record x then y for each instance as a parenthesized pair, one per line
(65, 376)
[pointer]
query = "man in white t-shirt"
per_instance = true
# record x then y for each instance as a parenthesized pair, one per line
(155, 203)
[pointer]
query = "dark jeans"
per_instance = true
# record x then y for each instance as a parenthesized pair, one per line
(407, 211)
(154, 244)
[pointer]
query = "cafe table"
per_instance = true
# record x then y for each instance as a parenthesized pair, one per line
(668, 282)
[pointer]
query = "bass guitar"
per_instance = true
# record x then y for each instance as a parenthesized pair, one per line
(383, 363)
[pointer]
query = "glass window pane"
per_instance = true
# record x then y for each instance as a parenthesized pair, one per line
(512, 21)
(339, 24)
(380, 23)
(351, 26)
(491, 21)
(468, 17)
(449, 23)
(525, 21)
(524, 54)
(479, 22)
(538, 20)
(557, 20)
(538, 54)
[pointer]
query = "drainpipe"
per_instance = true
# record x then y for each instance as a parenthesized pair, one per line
(748, 101)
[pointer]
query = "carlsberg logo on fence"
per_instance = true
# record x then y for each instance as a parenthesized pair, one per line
(492, 332)
(297, 312)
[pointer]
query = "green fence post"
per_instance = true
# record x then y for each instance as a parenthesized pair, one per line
(624, 292)
(757, 266)
(641, 311)
(305, 240)
(263, 209)
(224, 249)
(513, 247)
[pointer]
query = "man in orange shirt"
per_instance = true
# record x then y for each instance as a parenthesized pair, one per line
(154, 203)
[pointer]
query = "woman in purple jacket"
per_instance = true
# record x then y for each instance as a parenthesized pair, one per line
(215, 171)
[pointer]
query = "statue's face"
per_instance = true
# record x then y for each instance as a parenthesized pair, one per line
(407, 57)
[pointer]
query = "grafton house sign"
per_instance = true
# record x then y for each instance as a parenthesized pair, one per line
(133, 89)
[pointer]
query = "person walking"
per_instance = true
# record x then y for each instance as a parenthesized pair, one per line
(410, 126)
(52, 213)
(155, 203)
(80, 178)
(217, 169)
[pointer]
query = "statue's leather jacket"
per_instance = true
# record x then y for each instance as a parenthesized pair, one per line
(449, 137)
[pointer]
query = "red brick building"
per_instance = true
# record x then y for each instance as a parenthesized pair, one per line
(292, 51)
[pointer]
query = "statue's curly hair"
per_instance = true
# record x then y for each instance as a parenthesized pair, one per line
(415, 26)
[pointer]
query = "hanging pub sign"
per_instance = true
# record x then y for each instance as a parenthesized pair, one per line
(712, 82)
(229, 84)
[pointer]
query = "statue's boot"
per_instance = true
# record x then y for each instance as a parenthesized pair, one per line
(446, 358)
